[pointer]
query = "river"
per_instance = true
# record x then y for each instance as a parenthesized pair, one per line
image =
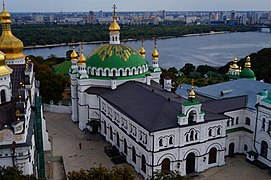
(214, 50)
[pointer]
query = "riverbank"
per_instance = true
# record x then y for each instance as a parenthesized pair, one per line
(124, 40)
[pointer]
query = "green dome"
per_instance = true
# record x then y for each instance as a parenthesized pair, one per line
(247, 73)
(115, 56)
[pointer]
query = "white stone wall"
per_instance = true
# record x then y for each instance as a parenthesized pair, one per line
(57, 108)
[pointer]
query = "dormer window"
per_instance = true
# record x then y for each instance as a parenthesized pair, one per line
(191, 116)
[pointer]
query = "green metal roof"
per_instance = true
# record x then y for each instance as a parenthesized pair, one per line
(228, 131)
(247, 73)
(115, 56)
(191, 103)
(63, 68)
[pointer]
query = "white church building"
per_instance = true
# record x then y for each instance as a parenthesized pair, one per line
(115, 92)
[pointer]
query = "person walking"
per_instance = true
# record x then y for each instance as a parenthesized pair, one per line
(80, 145)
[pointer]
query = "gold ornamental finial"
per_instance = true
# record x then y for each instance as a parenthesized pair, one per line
(247, 64)
(192, 94)
(142, 50)
(155, 53)
(234, 66)
(74, 55)
(114, 11)
(4, 4)
(114, 27)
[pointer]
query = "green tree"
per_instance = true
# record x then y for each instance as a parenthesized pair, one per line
(102, 173)
(165, 175)
(11, 173)
(188, 68)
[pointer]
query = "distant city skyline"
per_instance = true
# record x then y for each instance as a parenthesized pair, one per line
(139, 5)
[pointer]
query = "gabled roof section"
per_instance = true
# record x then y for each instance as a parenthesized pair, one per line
(225, 105)
(149, 106)
(235, 88)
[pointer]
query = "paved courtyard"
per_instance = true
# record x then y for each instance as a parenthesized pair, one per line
(65, 138)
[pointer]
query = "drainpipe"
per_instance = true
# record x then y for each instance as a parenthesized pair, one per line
(255, 131)
(152, 153)
(13, 153)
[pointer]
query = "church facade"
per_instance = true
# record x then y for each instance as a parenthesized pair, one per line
(19, 129)
(115, 92)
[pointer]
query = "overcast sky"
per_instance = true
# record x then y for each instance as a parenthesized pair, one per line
(134, 5)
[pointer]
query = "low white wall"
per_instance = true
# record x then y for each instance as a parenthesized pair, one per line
(57, 108)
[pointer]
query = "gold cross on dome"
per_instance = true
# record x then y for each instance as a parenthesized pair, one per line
(114, 10)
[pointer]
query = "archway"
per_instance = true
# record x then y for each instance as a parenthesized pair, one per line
(165, 165)
(190, 163)
(118, 140)
(212, 155)
(264, 149)
(125, 146)
(231, 149)
(133, 154)
(3, 96)
(143, 163)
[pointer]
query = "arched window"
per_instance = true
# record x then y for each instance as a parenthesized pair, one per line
(125, 146)
(263, 124)
(237, 120)
(245, 147)
(264, 149)
(186, 137)
(101, 72)
(170, 140)
(118, 140)
(212, 155)
(228, 123)
(232, 121)
(143, 163)
(133, 71)
(247, 121)
(161, 142)
(114, 73)
(139, 70)
(111, 133)
(121, 73)
(192, 136)
(218, 131)
(210, 132)
(133, 154)
(196, 136)
(94, 72)
(127, 72)
(107, 72)
(192, 116)
(105, 129)
(3, 96)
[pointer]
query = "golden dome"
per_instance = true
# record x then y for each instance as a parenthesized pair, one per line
(9, 44)
(248, 64)
(142, 50)
(82, 59)
(155, 53)
(74, 56)
(4, 69)
(114, 26)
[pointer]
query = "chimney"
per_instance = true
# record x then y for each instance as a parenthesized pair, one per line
(167, 84)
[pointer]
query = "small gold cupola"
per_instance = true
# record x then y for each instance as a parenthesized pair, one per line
(234, 65)
(155, 53)
(247, 64)
(192, 94)
(142, 50)
(82, 59)
(74, 55)
(4, 69)
(9, 44)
